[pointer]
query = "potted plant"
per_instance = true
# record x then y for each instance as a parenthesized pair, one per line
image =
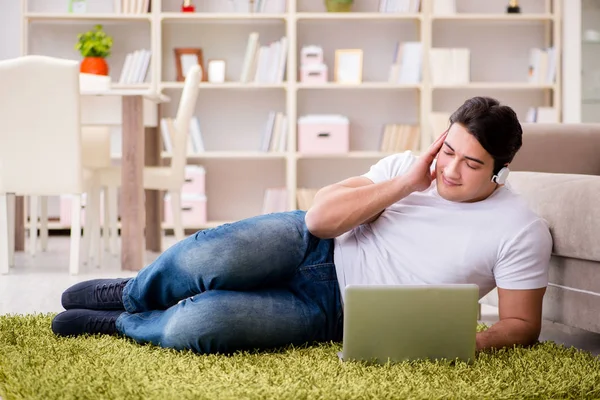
(94, 46)
(338, 5)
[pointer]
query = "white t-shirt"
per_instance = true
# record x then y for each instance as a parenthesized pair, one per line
(425, 239)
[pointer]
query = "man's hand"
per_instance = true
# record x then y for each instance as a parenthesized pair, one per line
(420, 176)
(520, 320)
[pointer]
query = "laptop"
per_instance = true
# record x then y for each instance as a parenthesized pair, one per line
(398, 323)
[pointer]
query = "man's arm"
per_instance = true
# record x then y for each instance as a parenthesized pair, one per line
(520, 320)
(344, 205)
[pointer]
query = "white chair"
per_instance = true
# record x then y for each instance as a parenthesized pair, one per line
(40, 142)
(95, 146)
(169, 178)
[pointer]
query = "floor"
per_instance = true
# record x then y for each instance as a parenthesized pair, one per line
(36, 283)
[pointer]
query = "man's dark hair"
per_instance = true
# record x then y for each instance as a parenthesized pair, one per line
(496, 127)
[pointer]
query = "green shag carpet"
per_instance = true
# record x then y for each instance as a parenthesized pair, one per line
(35, 364)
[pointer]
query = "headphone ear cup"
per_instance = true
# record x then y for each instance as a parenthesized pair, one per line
(501, 176)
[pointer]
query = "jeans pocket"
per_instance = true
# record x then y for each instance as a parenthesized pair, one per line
(319, 272)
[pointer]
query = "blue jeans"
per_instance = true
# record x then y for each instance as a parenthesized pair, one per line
(259, 283)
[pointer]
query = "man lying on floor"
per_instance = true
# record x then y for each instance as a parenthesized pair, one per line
(273, 280)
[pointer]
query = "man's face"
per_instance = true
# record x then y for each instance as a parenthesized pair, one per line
(464, 168)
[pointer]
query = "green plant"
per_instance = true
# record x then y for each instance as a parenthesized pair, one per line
(94, 43)
(339, 5)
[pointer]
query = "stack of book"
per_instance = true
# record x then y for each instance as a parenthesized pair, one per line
(135, 67)
(399, 6)
(195, 144)
(450, 66)
(132, 6)
(406, 64)
(266, 63)
(275, 134)
(542, 115)
(245, 6)
(399, 137)
(542, 65)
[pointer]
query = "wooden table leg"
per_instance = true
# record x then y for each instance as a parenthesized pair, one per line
(19, 223)
(153, 197)
(132, 190)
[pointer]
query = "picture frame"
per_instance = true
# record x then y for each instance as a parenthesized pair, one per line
(216, 69)
(348, 66)
(185, 58)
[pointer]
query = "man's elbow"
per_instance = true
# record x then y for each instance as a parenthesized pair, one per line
(315, 224)
(531, 334)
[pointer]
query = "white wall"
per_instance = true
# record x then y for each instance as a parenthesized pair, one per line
(10, 29)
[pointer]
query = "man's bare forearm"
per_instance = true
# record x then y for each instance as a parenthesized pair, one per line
(337, 209)
(507, 333)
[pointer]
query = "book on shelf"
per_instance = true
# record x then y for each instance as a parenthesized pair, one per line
(132, 6)
(542, 65)
(397, 138)
(275, 133)
(275, 200)
(264, 63)
(268, 6)
(135, 67)
(444, 7)
(248, 6)
(399, 6)
(542, 115)
(450, 66)
(406, 63)
(195, 144)
(305, 197)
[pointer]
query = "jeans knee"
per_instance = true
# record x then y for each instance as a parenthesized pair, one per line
(200, 329)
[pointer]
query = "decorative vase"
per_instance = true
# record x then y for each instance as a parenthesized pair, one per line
(335, 6)
(188, 6)
(94, 65)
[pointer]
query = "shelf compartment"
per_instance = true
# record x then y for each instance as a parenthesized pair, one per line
(351, 154)
(357, 16)
(364, 85)
(227, 85)
(492, 17)
(183, 17)
(57, 17)
(498, 85)
(231, 155)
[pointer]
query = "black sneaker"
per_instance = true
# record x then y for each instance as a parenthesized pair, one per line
(96, 294)
(78, 322)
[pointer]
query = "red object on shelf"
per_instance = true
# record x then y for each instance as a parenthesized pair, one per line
(187, 6)
(94, 65)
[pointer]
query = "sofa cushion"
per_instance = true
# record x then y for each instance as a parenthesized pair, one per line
(570, 203)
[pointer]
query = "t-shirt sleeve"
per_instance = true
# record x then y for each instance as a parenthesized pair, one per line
(525, 260)
(390, 167)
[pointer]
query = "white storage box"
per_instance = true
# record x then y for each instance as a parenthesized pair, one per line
(195, 178)
(323, 134)
(313, 73)
(193, 210)
(311, 55)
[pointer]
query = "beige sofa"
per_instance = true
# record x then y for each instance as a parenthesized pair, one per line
(557, 171)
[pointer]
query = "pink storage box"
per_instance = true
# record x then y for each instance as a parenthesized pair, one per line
(195, 178)
(320, 134)
(193, 210)
(65, 209)
(313, 73)
(311, 55)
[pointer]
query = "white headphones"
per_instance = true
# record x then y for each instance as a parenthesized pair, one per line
(501, 176)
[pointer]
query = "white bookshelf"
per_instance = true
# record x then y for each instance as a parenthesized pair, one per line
(232, 114)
